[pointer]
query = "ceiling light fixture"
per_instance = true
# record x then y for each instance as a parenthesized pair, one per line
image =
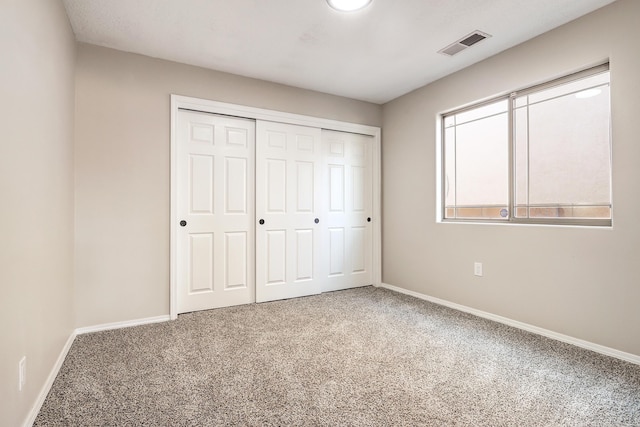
(348, 5)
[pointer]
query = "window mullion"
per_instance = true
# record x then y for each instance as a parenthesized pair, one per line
(455, 168)
(528, 141)
(511, 157)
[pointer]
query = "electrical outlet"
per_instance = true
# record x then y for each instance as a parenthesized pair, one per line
(477, 269)
(22, 373)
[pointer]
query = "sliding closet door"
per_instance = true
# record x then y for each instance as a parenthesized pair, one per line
(215, 236)
(348, 196)
(288, 223)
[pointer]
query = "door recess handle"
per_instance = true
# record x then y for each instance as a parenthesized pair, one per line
(183, 223)
(316, 220)
(261, 221)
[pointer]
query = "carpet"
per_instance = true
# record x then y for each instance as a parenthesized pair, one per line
(361, 357)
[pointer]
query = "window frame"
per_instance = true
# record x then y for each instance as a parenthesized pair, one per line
(510, 98)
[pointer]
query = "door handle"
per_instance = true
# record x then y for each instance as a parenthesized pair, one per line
(369, 219)
(183, 223)
(316, 220)
(261, 221)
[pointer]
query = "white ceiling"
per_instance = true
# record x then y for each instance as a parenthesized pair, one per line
(377, 54)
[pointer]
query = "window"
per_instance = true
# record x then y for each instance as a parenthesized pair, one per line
(539, 155)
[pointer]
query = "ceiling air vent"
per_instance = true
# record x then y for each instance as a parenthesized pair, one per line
(465, 42)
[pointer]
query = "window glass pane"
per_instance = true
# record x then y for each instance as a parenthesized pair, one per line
(521, 163)
(482, 175)
(450, 172)
(569, 155)
(568, 211)
(521, 101)
(482, 112)
(449, 121)
(571, 87)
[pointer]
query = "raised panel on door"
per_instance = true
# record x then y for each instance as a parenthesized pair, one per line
(347, 233)
(304, 255)
(358, 250)
(336, 251)
(305, 187)
(336, 188)
(236, 257)
(276, 186)
(200, 268)
(288, 175)
(275, 252)
(215, 176)
(236, 186)
(200, 176)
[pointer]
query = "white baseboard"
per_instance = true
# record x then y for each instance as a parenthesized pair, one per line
(524, 326)
(44, 391)
(120, 325)
(510, 322)
(65, 350)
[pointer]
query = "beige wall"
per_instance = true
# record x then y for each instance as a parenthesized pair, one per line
(123, 175)
(36, 192)
(580, 282)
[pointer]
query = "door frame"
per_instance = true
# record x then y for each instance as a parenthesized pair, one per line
(179, 102)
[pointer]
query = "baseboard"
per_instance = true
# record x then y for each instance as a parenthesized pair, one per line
(44, 391)
(65, 350)
(520, 325)
(510, 322)
(120, 325)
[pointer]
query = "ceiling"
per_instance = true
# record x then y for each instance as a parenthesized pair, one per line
(376, 55)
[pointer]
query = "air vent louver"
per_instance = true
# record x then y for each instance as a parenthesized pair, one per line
(465, 42)
(453, 49)
(473, 39)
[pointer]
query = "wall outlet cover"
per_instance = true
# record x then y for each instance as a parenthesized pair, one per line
(22, 373)
(477, 269)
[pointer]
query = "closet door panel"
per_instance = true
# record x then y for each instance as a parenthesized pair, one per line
(215, 176)
(347, 233)
(288, 173)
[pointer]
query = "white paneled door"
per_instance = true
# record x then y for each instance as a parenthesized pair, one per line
(348, 210)
(288, 208)
(215, 207)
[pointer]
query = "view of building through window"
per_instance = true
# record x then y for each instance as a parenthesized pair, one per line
(539, 155)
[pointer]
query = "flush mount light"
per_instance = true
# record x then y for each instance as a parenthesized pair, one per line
(348, 5)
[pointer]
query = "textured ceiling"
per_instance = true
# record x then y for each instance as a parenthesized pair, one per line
(377, 54)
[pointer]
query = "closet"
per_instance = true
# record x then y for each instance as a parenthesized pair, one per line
(267, 210)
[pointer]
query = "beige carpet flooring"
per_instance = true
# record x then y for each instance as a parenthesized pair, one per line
(362, 357)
